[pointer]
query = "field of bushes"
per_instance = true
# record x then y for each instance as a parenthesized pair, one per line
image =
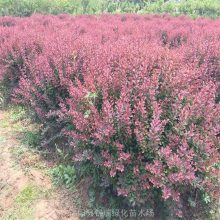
(194, 8)
(134, 98)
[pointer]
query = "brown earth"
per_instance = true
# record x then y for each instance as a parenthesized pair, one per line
(26, 191)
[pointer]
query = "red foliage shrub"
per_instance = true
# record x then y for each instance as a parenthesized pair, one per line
(136, 95)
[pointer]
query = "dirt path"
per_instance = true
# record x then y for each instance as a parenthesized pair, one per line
(26, 192)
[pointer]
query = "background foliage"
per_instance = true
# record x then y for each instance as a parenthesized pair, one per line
(193, 8)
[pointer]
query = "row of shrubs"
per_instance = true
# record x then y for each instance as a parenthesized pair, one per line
(193, 8)
(135, 98)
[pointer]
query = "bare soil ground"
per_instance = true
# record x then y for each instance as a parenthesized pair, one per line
(26, 191)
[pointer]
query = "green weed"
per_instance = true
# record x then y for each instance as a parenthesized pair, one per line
(32, 139)
(64, 174)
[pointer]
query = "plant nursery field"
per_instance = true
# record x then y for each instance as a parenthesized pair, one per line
(131, 102)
